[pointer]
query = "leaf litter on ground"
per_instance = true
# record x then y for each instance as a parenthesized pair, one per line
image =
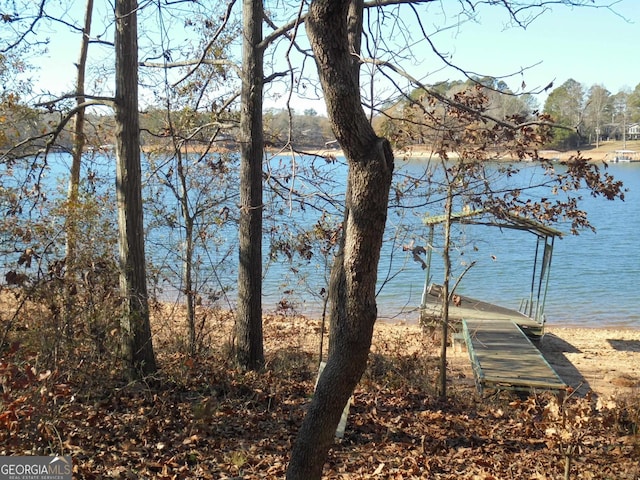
(201, 417)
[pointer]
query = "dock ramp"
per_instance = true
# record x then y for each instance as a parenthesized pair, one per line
(503, 357)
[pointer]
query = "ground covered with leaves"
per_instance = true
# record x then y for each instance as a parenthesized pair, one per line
(202, 418)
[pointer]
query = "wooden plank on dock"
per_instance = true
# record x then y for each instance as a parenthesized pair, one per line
(468, 307)
(503, 357)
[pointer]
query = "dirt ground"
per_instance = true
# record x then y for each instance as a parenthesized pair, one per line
(605, 361)
(200, 417)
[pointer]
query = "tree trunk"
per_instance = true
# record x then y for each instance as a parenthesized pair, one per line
(78, 139)
(249, 346)
(334, 29)
(71, 223)
(445, 293)
(137, 348)
(188, 252)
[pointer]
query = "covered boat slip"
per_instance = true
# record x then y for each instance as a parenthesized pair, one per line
(530, 315)
(624, 156)
(467, 307)
(502, 354)
(503, 357)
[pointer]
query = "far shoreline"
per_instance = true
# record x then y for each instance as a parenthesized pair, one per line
(604, 152)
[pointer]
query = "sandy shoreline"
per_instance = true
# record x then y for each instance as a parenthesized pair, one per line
(602, 360)
(409, 155)
(556, 155)
(604, 152)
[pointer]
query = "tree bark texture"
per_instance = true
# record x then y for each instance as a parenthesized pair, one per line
(137, 346)
(249, 341)
(73, 195)
(188, 253)
(334, 29)
(445, 293)
(78, 141)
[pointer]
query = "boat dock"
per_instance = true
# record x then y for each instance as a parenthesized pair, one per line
(467, 307)
(503, 357)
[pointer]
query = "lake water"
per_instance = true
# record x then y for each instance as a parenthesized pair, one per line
(594, 280)
(595, 277)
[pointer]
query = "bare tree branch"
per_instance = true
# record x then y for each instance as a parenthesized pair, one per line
(214, 38)
(447, 100)
(196, 63)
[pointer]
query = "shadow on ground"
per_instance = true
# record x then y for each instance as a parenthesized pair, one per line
(625, 345)
(553, 348)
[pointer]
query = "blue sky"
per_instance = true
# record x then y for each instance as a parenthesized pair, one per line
(589, 45)
(586, 44)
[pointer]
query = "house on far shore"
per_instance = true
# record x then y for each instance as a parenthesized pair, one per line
(633, 131)
(617, 131)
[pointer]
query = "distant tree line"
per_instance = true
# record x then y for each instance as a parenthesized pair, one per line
(305, 131)
(584, 115)
(593, 113)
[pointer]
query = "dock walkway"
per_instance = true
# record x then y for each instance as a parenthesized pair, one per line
(503, 357)
(468, 307)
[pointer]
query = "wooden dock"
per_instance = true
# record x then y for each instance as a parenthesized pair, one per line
(472, 308)
(503, 357)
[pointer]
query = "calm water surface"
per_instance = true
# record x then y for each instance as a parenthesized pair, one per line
(594, 281)
(594, 278)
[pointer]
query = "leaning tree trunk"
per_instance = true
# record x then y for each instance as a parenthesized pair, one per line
(137, 348)
(249, 347)
(334, 29)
